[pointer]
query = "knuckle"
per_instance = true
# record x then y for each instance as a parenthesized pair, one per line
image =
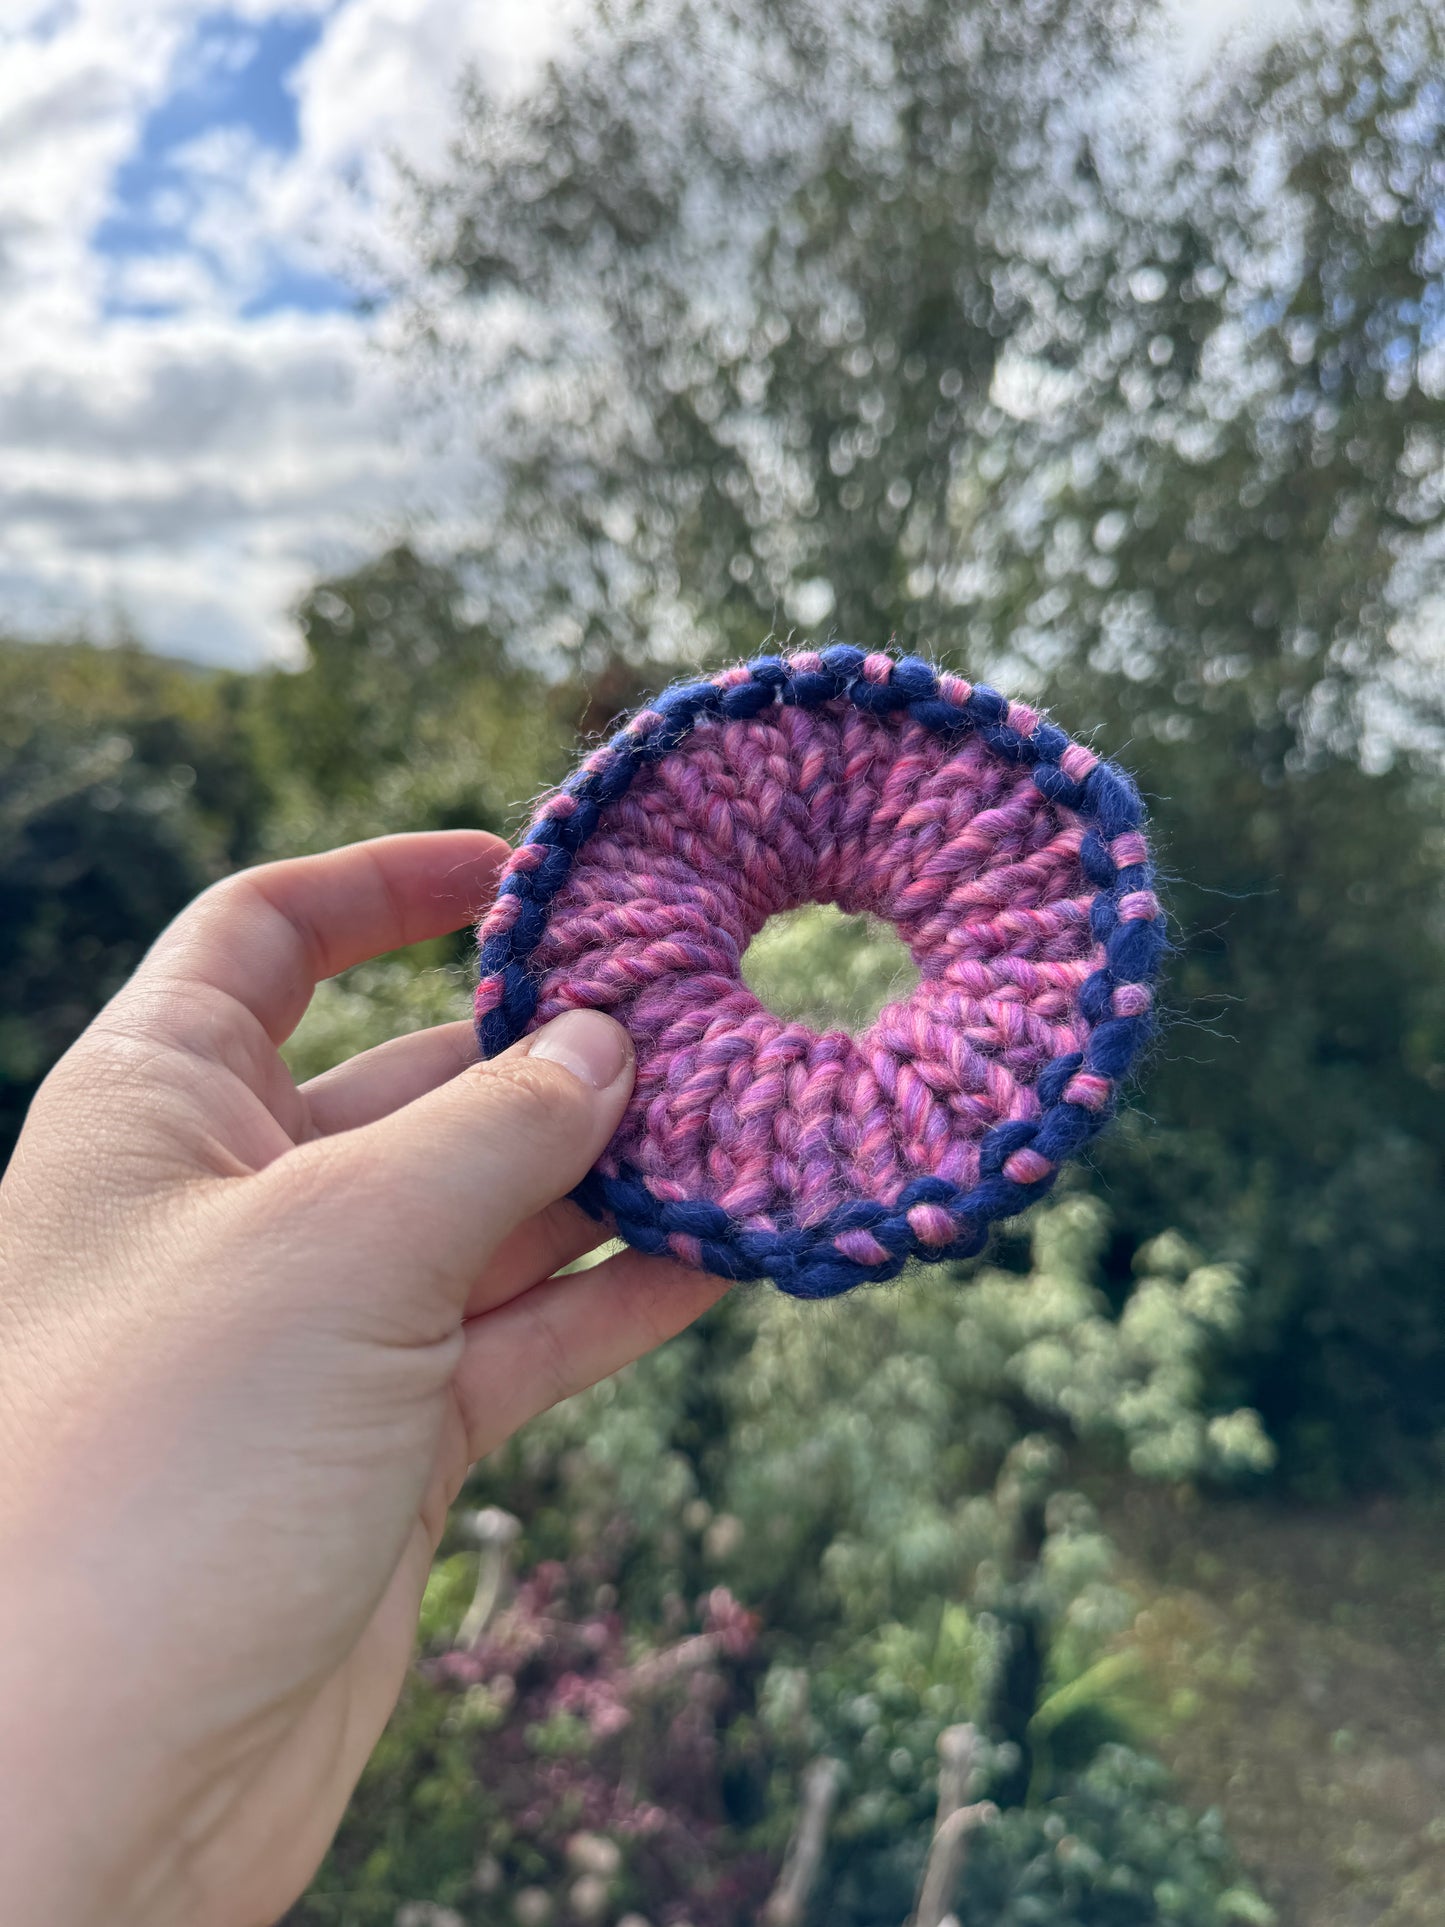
(218, 899)
(531, 1098)
(109, 1066)
(335, 1176)
(555, 1369)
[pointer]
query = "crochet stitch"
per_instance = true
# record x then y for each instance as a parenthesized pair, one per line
(1011, 862)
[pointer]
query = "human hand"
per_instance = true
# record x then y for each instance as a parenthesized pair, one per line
(251, 1339)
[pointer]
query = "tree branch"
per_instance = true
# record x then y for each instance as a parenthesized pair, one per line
(954, 1822)
(496, 1532)
(789, 1899)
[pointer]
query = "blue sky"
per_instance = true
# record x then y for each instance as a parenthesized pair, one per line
(231, 76)
(196, 416)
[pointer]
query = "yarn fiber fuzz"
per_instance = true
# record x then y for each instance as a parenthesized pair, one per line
(1010, 860)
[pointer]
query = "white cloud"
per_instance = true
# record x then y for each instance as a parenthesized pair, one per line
(1202, 26)
(193, 475)
(185, 475)
(383, 76)
(379, 87)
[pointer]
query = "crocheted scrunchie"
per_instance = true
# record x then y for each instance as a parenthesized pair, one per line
(1009, 860)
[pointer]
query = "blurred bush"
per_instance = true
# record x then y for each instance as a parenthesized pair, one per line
(370, 1004)
(1114, 1852)
(123, 792)
(879, 1502)
(845, 1529)
(1114, 388)
(406, 715)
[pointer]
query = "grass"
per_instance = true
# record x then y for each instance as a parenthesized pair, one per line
(1299, 1655)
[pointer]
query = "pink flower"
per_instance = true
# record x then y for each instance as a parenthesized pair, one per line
(596, 1701)
(733, 1626)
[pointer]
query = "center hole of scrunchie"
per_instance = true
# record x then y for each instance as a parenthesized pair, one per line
(821, 967)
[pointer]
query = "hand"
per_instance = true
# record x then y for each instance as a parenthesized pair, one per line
(251, 1339)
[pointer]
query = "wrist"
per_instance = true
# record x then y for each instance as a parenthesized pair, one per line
(84, 1833)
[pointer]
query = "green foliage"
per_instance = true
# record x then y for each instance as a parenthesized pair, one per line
(407, 713)
(891, 1484)
(1114, 1850)
(778, 403)
(894, 1493)
(878, 1452)
(369, 1005)
(413, 1825)
(816, 966)
(448, 1593)
(1151, 426)
(122, 794)
(1296, 1106)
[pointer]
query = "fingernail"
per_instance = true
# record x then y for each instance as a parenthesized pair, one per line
(593, 1047)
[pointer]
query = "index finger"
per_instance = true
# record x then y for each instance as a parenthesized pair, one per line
(265, 938)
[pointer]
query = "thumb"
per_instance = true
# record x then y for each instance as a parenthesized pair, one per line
(426, 1194)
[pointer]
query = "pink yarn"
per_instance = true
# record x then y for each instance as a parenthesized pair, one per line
(956, 848)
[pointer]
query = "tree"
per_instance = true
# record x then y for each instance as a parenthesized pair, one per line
(406, 713)
(905, 317)
(124, 789)
(772, 1543)
(747, 275)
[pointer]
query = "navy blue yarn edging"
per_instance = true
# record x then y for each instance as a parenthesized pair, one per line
(803, 1260)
